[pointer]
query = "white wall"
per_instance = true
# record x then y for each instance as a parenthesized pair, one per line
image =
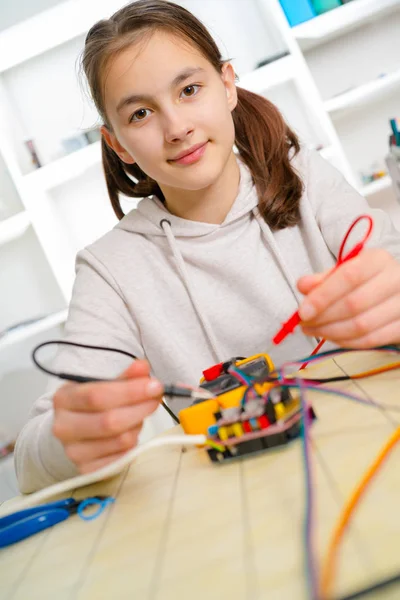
(239, 29)
(12, 12)
(49, 104)
(350, 61)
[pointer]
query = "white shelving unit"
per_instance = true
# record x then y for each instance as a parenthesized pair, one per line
(341, 21)
(33, 329)
(269, 76)
(323, 87)
(65, 169)
(13, 227)
(376, 186)
(363, 93)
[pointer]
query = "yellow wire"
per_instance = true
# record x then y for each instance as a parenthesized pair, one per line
(218, 447)
(328, 569)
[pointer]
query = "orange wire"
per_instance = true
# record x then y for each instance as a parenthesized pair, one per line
(376, 371)
(329, 566)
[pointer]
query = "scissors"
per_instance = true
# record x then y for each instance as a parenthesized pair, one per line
(24, 523)
(294, 320)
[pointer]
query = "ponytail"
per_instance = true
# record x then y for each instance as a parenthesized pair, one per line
(126, 179)
(266, 144)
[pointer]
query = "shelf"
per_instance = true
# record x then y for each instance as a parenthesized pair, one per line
(51, 28)
(376, 186)
(13, 227)
(30, 330)
(66, 168)
(340, 20)
(268, 76)
(363, 93)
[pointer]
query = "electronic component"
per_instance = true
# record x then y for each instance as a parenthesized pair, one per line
(250, 411)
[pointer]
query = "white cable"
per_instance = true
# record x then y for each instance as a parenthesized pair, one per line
(105, 472)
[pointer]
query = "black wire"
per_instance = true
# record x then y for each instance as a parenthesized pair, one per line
(169, 411)
(354, 595)
(35, 350)
(326, 380)
(82, 378)
(372, 588)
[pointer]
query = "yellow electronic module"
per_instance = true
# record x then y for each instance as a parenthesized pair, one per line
(250, 412)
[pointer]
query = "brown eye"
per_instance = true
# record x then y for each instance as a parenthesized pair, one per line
(139, 115)
(190, 90)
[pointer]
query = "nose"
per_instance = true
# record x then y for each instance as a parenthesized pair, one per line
(176, 126)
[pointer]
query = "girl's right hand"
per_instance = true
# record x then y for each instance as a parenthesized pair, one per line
(100, 421)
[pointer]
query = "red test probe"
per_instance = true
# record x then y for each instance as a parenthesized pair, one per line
(290, 325)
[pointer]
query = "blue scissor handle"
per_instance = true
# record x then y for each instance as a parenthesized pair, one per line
(29, 522)
(22, 524)
(23, 514)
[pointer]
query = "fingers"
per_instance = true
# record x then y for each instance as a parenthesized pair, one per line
(69, 426)
(358, 305)
(374, 293)
(388, 334)
(343, 280)
(106, 395)
(359, 326)
(309, 282)
(139, 368)
(83, 453)
(98, 422)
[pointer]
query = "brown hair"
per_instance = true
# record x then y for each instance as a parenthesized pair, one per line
(264, 140)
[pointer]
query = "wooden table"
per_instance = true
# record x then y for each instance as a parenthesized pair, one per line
(183, 528)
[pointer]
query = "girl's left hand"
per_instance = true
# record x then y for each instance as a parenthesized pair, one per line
(357, 305)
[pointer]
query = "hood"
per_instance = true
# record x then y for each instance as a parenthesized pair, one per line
(151, 218)
(146, 218)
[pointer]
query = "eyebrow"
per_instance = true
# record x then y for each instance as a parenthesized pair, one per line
(134, 98)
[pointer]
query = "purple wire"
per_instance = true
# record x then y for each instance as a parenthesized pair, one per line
(306, 384)
(311, 567)
(320, 356)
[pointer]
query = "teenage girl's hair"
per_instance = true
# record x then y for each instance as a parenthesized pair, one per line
(265, 142)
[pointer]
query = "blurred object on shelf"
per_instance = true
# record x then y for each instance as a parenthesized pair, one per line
(322, 6)
(374, 173)
(94, 135)
(297, 11)
(393, 158)
(79, 140)
(267, 61)
(7, 449)
(74, 142)
(393, 165)
(32, 151)
(394, 139)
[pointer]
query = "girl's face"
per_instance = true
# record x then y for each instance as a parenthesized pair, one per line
(164, 99)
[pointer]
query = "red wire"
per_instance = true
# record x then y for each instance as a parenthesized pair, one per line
(290, 325)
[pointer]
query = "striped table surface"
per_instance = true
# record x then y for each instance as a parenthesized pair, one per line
(184, 528)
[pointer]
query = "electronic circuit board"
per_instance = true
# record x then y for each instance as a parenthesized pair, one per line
(241, 420)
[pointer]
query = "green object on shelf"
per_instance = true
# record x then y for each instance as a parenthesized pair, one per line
(322, 6)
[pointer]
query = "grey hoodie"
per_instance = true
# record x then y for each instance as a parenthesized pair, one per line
(186, 295)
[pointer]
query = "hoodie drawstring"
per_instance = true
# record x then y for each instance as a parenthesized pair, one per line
(267, 233)
(180, 263)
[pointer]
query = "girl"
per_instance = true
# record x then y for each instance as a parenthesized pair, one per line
(222, 249)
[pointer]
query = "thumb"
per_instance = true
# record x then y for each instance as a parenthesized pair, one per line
(139, 368)
(309, 282)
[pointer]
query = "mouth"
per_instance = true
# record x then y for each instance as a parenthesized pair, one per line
(191, 155)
